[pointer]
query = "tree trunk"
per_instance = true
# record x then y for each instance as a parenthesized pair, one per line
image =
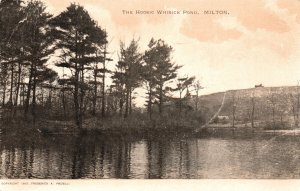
(23, 94)
(29, 86)
(4, 82)
(76, 87)
(33, 112)
(64, 104)
(130, 102)
(197, 97)
(10, 101)
(127, 103)
(4, 94)
(160, 107)
(82, 93)
(95, 92)
(18, 87)
(180, 103)
(103, 83)
(121, 107)
(273, 116)
(103, 97)
(76, 104)
(150, 103)
(50, 99)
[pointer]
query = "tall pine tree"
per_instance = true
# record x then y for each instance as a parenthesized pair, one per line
(79, 39)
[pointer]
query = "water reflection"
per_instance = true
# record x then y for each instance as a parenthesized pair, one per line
(93, 156)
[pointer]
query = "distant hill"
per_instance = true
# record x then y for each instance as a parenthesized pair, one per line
(280, 102)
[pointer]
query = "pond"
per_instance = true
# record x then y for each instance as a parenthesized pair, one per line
(92, 156)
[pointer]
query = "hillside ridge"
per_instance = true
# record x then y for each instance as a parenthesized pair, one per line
(264, 104)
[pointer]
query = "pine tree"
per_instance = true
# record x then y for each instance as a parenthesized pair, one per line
(129, 72)
(159, 70)
(38, 40)
(78, 39)
(11, 17)
(182, 85)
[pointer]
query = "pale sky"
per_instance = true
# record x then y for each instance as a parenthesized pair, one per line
(257, 42)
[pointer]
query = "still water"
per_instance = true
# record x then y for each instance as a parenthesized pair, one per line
(103, 156)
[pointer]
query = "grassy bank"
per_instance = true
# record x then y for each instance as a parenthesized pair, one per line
(132, 127)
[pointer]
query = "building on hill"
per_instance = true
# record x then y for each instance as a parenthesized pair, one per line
(259, 86)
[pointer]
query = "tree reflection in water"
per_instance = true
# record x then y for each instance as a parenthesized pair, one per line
(102, 156)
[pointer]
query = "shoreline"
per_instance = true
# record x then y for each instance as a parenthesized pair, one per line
(68, 128)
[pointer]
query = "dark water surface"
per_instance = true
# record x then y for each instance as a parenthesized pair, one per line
(103, 156)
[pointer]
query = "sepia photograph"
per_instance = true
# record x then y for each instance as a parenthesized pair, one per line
(138, 89)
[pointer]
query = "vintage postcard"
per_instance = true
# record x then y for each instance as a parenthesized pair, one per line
(167, 90)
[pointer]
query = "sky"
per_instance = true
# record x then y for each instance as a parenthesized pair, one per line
(256, 41)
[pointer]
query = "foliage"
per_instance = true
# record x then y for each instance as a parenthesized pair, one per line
(159, 71)
(54, 68)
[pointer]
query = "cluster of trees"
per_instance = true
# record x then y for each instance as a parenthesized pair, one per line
(31, 39)
(274, 107)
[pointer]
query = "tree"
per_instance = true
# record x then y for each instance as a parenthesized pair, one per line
(104, 70)
(38, 40)
(45, 79)
(197, 87)
(119, 87)
(182, 85)
(95, 83)
(78, 39)
(149, 69)
(3, 82)
(11, 17)
(159, 71)
(129, 72)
